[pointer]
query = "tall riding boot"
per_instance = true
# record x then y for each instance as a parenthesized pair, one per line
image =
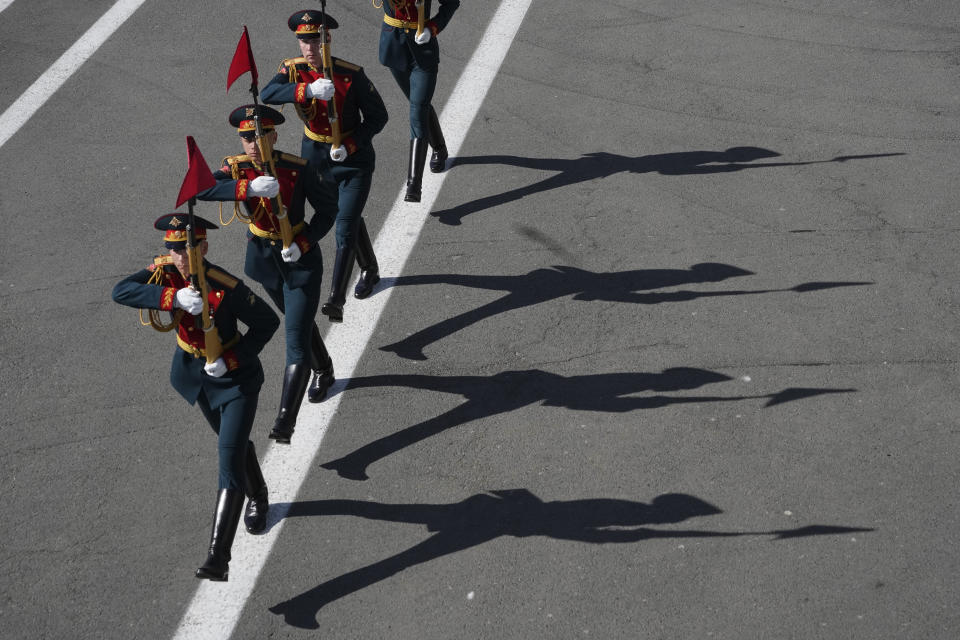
(322, 365)
(226, 517)
(418, 156)
(342, 270)
(295, 380)
(369, 269)
(438, 160)
(255, 515)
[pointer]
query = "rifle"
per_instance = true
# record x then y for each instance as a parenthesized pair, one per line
(328, 74)
(198, 282)
(242, 62)
(270, 169)
(423, 11)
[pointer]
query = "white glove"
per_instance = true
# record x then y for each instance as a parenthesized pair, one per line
(264, 187)
(216, 368)
(424, 37)
(291, 253)
(188, 300)
(321, 89)
(338, 154)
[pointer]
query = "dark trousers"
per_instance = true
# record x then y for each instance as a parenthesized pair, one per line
(232, 423)
(299, 308)
(418, 86)
(354, 178)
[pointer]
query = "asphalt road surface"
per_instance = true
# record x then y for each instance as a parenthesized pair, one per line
(674, 355)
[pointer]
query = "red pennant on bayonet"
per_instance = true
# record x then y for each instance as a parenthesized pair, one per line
(242, 61)
(198, 177)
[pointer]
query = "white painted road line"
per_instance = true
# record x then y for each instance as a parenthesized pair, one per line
(216, 606)
(66, 65)
(5, 3)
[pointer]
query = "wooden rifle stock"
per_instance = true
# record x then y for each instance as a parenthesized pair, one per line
(423, 8)
(332, 115)
(270, 169)
(212, 346)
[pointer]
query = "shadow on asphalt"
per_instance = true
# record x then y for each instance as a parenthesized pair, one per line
(600, 164)
(506, 391)
(542, 285)
(517, 513)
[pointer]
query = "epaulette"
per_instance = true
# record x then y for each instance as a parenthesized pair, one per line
(235, 162)
(291, 62)
(346, 65)
(225, 279)
(292, 158)
(237, 159)
(160, 261)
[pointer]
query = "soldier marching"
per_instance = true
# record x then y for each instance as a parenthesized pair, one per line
(342, 112)
(409, 49)
(290, 268)
(225, 387)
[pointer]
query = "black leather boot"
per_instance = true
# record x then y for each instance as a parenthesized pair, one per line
(226, 517)
(342, 270)
(322, 365)
(255, 515)
(418, 156)
(369, 269)
(438, 160)
(295, 380)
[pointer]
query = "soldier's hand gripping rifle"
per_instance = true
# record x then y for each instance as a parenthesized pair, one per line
(242, 62)
(199, 178)
(423, 11)
(332, 115)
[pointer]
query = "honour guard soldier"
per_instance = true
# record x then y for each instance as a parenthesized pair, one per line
(226, 390)
(408, 47)
(290, 275)
(341, 111)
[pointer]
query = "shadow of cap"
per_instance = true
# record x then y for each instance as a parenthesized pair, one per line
(714, 271)
(679, 506)
(746, 154)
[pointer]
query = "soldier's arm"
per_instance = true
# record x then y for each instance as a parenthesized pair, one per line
(133, 291)
(372, 108)
(227, 189)
(439, 22)
(261, 320)
(281, 90)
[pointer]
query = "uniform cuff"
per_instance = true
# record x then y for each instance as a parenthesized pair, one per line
(240, 193)
(434, 29)
(350, 144)
(167, 296)
(230, 357)
(300, 96)
(303, 243)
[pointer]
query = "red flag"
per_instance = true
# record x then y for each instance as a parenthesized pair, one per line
(242, 61)
(198, 177)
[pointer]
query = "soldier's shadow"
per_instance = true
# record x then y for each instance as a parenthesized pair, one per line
(517, 513)
(600, 164)
(543, 285)
(486, 396)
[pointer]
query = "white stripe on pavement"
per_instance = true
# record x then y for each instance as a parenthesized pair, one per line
(66, 65)
(216, 606)
(5, 3)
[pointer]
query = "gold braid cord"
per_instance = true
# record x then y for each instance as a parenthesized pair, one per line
(155, 318)
(378, 6)
(237, 204)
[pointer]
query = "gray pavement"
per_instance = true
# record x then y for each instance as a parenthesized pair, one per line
(674, 356)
